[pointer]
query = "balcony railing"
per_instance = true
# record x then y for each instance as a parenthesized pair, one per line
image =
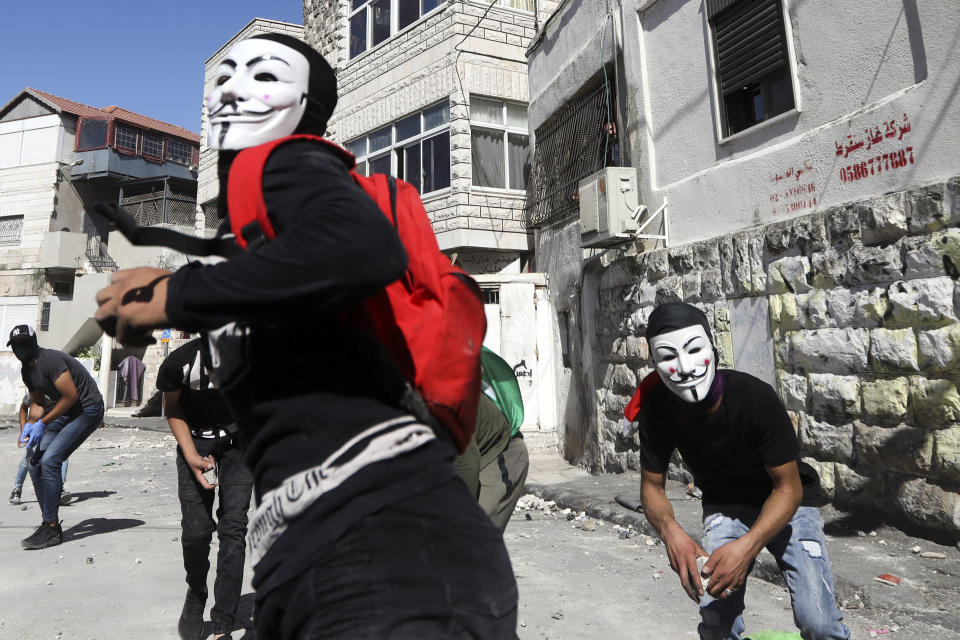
(98, 257)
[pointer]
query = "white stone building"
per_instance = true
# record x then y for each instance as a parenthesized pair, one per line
(804, 157)
(57, 159)
(435, 93)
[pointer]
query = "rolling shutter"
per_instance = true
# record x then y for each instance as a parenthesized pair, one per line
(14, 313)
(749, 39)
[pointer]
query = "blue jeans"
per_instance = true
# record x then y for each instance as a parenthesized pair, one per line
(22, 471)
(801, 553)
(61, 438)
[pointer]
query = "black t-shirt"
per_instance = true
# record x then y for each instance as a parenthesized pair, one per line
(300, 382)
(50, 365)
(727, 451)
(203, 406)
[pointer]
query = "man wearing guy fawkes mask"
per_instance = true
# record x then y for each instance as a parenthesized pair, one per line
(736, 438)
(363, 529)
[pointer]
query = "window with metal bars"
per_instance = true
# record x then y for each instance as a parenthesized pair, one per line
(11, 230)
(125, 138)
(573, 144)
(153, 145)
(178, 151)
(45, 316)
(491, 295)
(752, 63)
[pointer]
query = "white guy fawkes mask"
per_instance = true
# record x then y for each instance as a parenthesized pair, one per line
(260, 94)
(685, 361)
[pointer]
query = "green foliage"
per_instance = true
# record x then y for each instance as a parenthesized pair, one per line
(38, 280)
(89, 351)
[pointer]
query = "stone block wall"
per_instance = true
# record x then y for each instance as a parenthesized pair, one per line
(864, 312)
(455, 51)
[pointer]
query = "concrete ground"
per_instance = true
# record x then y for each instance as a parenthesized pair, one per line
(861, 547)
(118, 574)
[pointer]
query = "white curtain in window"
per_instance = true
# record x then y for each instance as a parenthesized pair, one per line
(517, 116)
(518, 149)
(483, 110)
(486, 150)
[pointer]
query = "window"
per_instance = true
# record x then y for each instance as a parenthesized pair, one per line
(571, 145)
(752, 64)
(499, 144)
(523, 5)
(178, 151)
(11, 230)
(374, 21)
(125, 138)
(491, 295)
(92, 134)
(153, 145)
(45, 316)
(63, 288)
(415, 148)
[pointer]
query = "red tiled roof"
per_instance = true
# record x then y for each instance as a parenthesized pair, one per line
(69, 106)
(149, 123)
(119, 113)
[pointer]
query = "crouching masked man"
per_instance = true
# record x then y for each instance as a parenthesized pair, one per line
(735, 436)
(362, 529)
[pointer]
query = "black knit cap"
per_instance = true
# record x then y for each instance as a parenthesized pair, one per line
(671, 316)
(322, 88)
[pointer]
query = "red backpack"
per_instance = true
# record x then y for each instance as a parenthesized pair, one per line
(431, 320)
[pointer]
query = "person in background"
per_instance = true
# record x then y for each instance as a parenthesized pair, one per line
(495, 464)
(52, 435)
(199, 418)
(65, 495)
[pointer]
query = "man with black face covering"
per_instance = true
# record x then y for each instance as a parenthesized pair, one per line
(362, 529)
(738, 442)
(51, 435)
(199, 420)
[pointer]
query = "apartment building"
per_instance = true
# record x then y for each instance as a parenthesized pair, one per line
(58, 158)
(796, 163)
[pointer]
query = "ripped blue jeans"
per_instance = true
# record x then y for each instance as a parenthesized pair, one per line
(801, 553)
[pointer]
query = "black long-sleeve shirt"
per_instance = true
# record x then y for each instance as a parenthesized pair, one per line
(299, 380)
(333, 247)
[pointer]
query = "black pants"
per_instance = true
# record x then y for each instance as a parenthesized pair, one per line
(431, 566)
(196, 508)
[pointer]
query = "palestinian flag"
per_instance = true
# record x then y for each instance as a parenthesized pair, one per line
(500, 384)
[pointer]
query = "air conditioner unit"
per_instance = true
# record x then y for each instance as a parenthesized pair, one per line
(611, 212)
(608, 202)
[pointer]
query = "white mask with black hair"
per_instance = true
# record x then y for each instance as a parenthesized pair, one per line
(260, 94)
(685, 361)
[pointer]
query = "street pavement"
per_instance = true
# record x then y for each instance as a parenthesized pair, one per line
(592, 572)
(861, 547)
